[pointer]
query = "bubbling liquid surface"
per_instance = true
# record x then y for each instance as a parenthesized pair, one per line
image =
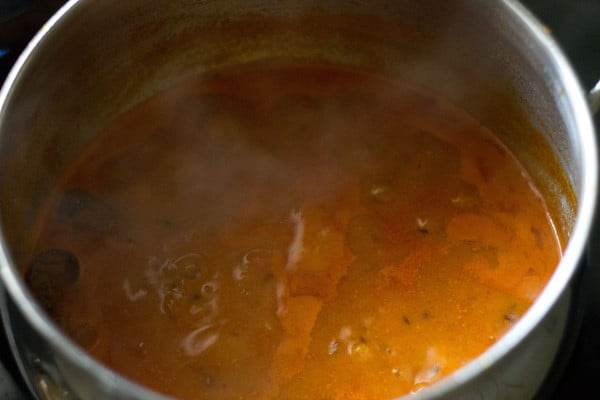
(277, 231)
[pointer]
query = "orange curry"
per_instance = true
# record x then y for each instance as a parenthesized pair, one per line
(286, 231)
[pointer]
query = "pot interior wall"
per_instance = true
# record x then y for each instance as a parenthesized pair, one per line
(101, 58)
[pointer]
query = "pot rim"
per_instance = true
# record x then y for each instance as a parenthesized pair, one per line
(576, 103)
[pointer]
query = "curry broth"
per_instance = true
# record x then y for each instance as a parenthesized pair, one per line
(292, 232)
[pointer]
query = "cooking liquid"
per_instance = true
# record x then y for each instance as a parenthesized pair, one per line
(295, 232)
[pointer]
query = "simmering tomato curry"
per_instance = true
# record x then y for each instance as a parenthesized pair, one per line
(286, 231)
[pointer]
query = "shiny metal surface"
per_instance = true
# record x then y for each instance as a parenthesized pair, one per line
(511, 47)
(595, 98)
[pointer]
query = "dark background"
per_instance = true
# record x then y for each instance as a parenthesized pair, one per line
(576, 26)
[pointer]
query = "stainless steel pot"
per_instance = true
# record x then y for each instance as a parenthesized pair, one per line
(93, 60)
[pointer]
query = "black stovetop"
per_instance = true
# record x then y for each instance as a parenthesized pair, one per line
(576, 26)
